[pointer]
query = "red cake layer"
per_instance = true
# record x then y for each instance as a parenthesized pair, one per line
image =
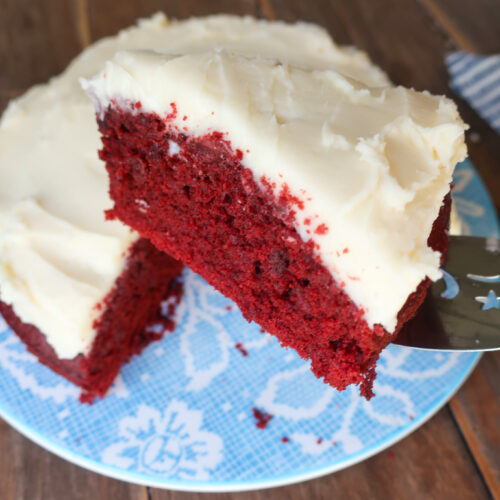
(204, 207)
(150, 276)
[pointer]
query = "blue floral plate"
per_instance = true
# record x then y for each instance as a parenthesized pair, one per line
(183, 414)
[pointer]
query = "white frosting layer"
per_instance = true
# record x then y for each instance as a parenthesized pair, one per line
(373, 165)
(58, 257)
(455, 222)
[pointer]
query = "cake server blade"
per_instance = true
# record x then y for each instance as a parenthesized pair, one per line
(462, 310)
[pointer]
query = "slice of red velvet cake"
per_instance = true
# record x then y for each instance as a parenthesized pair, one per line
(318, 204)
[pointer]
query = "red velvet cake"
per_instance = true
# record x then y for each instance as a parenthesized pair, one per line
(124, 327)
(311, 200)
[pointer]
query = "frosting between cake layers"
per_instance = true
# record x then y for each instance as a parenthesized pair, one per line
(58, 256)
(371, 164)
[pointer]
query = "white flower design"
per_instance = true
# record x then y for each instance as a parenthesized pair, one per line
(285, 389)
(119, 388)
(168, 443)
(201, 316)
(391, 407)
(41, 382)
(343, 436)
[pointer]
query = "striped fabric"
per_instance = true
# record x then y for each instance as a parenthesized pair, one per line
(477, 79)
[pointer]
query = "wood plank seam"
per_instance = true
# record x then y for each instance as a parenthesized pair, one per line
(487, 466)
(266, 9)
(82, 22)
(470, 452)
(458, 38)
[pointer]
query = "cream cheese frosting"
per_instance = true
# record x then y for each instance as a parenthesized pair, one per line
(58, 256)
(371, 164)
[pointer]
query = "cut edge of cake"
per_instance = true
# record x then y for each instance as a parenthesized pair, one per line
(139, 309)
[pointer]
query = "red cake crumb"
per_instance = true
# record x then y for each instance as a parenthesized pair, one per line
(207, 209)
(321, 229)
(121, 333)
(240, 348)
(261, 417)
(173, 113)
(285, 439)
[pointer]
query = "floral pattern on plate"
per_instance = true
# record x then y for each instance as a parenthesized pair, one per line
(218, 405)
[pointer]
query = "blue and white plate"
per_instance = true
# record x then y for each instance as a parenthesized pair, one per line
(181, 416)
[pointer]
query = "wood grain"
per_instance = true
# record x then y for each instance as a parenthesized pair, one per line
(390, 32)
(30, 473)
(82, 22)
(432, 463)
(37, 41)
(126, 13)
(477, 410)
(460, 19)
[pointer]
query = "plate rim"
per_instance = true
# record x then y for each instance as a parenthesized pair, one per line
(217, 486)
(240, 486)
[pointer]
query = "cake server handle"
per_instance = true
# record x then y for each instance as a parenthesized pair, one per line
(462, 310)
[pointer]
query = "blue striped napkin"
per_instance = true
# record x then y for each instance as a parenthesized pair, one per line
(477, 79)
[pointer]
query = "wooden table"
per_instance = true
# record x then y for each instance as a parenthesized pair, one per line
(456, 455)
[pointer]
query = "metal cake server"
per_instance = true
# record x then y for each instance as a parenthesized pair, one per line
(462, 310)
